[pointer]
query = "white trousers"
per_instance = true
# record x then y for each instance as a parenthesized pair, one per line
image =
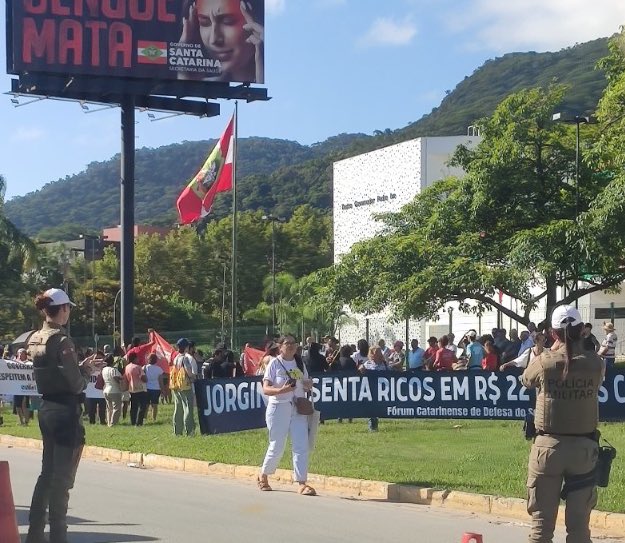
(282, 420)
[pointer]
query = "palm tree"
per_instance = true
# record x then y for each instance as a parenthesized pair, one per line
(16, 249)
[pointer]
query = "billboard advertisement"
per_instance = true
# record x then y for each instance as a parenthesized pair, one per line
(192, 40)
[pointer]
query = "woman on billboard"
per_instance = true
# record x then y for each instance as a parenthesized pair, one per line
(230, 32)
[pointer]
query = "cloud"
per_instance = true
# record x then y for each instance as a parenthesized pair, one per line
(386, 31)
(535, 24)
(275, 6)
(27, 134)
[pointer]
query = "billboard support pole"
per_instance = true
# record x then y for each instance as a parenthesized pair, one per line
(127, 195)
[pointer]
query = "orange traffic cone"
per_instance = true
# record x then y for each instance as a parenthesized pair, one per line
(470, 536)
(8, 521)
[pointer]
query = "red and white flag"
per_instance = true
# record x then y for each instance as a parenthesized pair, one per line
(215, 176)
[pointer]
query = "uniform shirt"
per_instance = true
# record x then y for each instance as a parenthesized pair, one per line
(55, 364)
(609, 342)
(278, 372)
(565, 406)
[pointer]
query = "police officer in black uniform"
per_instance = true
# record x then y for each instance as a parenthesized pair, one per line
(565, 451)
(60, 380)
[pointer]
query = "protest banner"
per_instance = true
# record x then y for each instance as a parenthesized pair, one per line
(230, 405)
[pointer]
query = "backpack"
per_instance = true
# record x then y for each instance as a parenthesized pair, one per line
(178, 378)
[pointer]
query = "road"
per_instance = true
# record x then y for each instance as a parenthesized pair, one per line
(113, 503)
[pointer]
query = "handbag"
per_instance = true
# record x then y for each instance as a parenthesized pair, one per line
(99, 382)
(304, 406)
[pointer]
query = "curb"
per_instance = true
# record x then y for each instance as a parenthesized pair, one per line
(610, 524)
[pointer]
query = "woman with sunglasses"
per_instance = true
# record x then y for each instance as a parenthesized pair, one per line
(285, 379)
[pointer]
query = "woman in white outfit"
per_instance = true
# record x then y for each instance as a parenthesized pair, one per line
(284, 380)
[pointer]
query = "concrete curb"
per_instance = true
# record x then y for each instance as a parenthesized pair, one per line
(610, 524)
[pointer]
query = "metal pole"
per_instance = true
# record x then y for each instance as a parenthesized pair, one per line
(223, 306)
(127, 196)
(577, 121)
(234, 227)
(273, 276)
(115, 317)
(93, 289)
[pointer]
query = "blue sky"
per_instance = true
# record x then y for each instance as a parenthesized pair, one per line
(332, 66)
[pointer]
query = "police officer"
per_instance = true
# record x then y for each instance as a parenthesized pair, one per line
(60, 380)
(565, 450)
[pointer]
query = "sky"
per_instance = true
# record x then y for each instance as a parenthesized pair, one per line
(331, 66)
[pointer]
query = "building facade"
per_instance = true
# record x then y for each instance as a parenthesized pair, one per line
(386, 179)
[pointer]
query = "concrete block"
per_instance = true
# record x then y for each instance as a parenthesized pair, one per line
(199, 467)
(246, 472)
(376, 490)
(475, 503)
(509, 507)
(284, 476)
(414, 494)
(221, 470)
(163, 462)
(343, 485)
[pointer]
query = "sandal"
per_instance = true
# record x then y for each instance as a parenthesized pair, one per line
(263, 484)
(307, 490)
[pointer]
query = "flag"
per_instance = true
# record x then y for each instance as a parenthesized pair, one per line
(215, 176)
(152, 52)
(251, 360)
(165, 352)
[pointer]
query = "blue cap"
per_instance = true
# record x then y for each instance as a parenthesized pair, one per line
(182, 343)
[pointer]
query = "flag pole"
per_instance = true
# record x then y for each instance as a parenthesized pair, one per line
(234, 228)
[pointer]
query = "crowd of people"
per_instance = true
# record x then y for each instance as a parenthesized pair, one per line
(134, 382)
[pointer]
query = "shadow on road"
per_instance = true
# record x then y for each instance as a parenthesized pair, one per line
(88, 537)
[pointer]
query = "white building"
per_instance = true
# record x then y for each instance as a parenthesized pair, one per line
(385, 180)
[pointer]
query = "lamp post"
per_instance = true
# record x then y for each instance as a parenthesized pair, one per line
(115, 317)
(273, 221)
(450, 311)
(576, 120)
(92, 240)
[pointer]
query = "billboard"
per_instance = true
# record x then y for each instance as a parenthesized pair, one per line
(192, 40)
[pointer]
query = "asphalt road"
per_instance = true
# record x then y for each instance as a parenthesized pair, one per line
(113, 503)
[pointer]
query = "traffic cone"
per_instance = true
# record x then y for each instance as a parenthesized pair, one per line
(8, 521)
(467, 537)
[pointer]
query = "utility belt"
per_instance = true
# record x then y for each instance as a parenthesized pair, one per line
(592, 435)
(598, 476)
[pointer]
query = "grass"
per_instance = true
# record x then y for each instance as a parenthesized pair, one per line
(476, 456)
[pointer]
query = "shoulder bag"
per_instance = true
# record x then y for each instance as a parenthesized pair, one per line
(303, 405)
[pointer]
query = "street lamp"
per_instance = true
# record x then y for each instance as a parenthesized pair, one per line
(273, 220)
(576, 120)
(450, 311)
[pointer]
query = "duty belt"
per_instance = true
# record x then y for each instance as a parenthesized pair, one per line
(591, 435)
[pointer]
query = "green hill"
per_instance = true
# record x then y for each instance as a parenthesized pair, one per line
(278, 175)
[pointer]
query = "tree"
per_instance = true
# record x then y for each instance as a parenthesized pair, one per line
(509, 225)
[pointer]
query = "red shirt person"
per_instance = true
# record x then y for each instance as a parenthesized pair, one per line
(142, 351)
(430, 352)
(489, 362)
(444, 359)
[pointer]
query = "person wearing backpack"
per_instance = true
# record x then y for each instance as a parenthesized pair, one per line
(181, 379)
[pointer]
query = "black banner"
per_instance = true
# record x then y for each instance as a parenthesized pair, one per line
(230, 405)
(200, 40)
